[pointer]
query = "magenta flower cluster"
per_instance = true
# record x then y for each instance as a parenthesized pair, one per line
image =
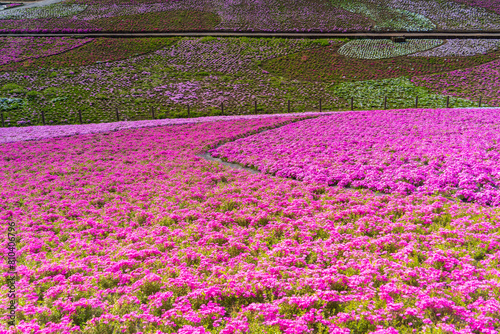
(11, 5)
(450, 152)
(130, 231)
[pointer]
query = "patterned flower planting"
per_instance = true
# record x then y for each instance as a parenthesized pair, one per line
(159, 78)
(42, 12)
(100, 50)
(329, 64)
(480, 81)
(244, 15)
(461, 48)
(200, 72)
(23, 48)
(380, 49)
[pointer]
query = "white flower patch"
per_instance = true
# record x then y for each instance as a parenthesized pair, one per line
(380, 49)
(386, 17)
(447, 14)
(461, 48)
(42, 12)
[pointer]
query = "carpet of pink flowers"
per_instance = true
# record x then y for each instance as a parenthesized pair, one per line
(132, 232)
(453, 152)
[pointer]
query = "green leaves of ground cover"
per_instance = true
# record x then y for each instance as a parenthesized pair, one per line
(204, 72)
(173, 20)
(401, 93)
(387, 18)
(100, 50)
(326, 64)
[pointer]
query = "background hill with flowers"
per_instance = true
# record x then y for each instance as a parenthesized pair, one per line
(250, 15)
(63, 80)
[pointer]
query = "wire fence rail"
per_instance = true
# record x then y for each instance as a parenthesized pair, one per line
(225, 108)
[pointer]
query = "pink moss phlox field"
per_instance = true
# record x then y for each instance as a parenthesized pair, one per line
(453, 152)
(492, 5)
(16, 49)
(15, 134)
(131, 232)
(482, 80)
(270, 15)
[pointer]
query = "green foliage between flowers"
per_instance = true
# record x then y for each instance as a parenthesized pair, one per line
(132, 87)
(175, 21)
(326, 64)
(387, 18)
(401, 93)
(100, 50)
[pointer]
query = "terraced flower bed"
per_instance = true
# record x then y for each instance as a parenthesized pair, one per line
(415, 14)
(384, 17)
(51, 11)
(100, 50)
(12, 5)
(461, 48)
(491, 5)
(130, 231)
(16, 50)
(157, 21)
(480, 81)
(48, 25)
(327, 64)
(202, 73)
(215, 76)
(384, 48)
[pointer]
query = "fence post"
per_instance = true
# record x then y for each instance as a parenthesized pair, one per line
(3, 121)
(255, 106)
(152, 112)
(189, 112)
(222, 107)
(117, 115)
(385, 102)
(288, 106)
(480, 100)
(416, 102)
(352, 103)
(447, 102)
(320, 107)
(80, 116)
(43, 117)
